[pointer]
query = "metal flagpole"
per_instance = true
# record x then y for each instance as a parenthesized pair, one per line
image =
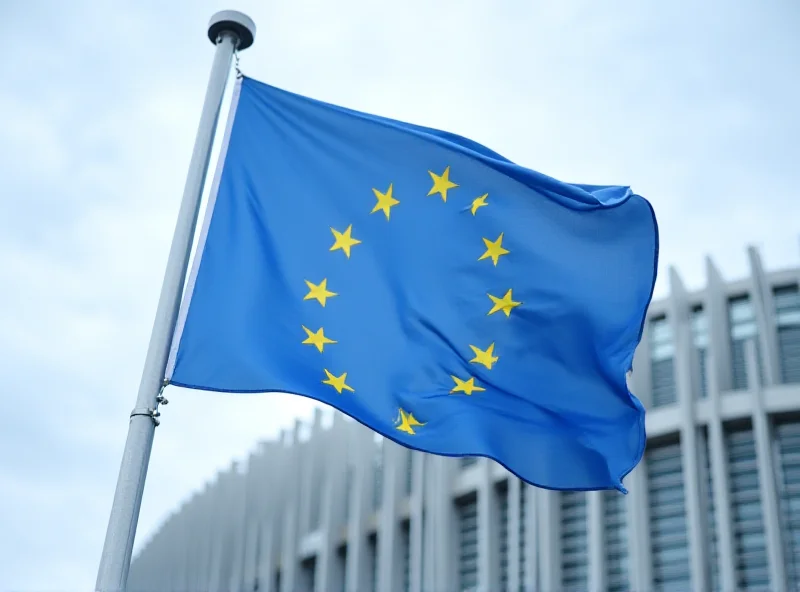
(229, 31)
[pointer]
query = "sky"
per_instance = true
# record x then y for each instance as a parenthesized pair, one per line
(694, 105)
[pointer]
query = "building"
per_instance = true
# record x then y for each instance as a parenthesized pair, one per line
(713, 506)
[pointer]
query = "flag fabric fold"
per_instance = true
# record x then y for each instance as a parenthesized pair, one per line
(442, 295)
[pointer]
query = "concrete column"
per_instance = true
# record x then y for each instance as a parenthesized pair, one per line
(678, 317)
(193, 538)
(250, 554)
(514, 493)
(329, 573)
(766, 476)
(532, 580)
(488, 531)
(183, 545)
(289, 546)
(763, 306)
(221, 539)
(202, 554)
(718, 327)
(637, 517)
(255, 498)
(440, 550)
(270, 508)
(389, 551)
(239, 513)
(640, 380)
(416, 531)
(550, 539)
(430, 553)
(718, 460)
(361, 451)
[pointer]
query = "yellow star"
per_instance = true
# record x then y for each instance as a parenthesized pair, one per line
(319, 292)
(407, 423)
(487, 358)
(494, 249)
(318, 339)
(505, 303)
(344, 241)
(441, 183)
(479, 202)
(338, 382)
(385, 201)
(465, 386)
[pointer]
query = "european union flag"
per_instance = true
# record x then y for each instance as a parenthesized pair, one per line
(445, 297)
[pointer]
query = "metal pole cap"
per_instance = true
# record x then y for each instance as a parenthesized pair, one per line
(235, 22)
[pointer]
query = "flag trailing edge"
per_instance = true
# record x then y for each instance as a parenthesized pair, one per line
(424, 285)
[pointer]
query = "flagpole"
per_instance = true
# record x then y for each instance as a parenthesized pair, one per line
(229, 31)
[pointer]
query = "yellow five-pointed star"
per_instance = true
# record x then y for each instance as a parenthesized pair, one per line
(441, 183)
(319, 292)
(487, 358)
(338, 382)
(478, 202)
(465, 386)
(408, 422)
(344, 240)
(318, 339)
(505, 303)
(494, 249)
(385, 201)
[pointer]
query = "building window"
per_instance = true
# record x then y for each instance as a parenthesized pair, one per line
(699, 322)
(467, 512)
(502, 496)
(787, 316)
(616, 542)
(574, 555)
(468, 461)
(742, 321)
(752, 569)
(341, 567)
(787, 447)
(372, 558)
(405, 543)
(308, 573)
(707, 492)
(662, 350)
(670, 547)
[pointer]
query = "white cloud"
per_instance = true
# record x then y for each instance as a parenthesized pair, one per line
(687, 103)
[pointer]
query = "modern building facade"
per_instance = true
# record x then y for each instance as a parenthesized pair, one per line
(714, 506)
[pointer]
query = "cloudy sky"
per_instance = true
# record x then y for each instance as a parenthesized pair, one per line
(693, 104)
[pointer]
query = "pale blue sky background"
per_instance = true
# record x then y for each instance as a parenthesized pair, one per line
(696, 105)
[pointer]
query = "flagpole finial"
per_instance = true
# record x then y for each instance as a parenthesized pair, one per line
(232, 21)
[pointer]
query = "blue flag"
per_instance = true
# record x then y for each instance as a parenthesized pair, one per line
(443, 296)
